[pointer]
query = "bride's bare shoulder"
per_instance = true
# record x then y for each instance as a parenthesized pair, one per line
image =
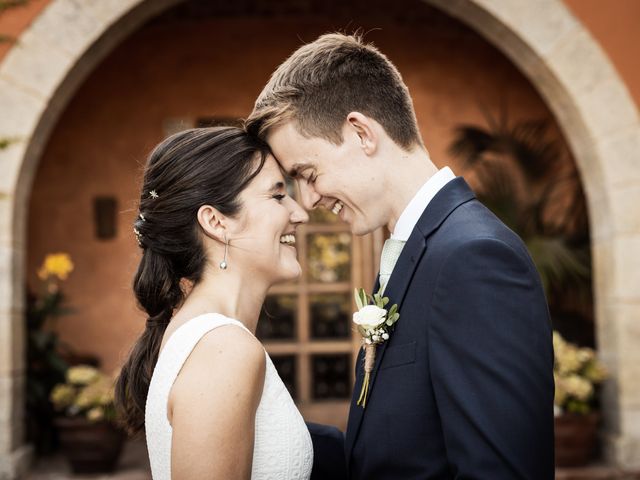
(229, 357)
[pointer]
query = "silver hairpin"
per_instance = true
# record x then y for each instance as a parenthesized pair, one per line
(142, 218)
(138, 236)
(153, 194)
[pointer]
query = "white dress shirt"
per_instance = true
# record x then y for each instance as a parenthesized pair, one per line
(413, 211)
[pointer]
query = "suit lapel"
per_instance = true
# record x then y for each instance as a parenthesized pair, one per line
(454, 194)
(396, 290)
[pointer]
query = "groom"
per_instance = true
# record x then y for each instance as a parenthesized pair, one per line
(463, 388)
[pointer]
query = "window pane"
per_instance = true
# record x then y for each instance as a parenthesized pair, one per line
(278, 318)
(330, 257)
(330, 376)
(322, 215)
(330, 316)
(286, 367)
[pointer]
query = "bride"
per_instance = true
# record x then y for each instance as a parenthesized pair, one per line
(217, 229)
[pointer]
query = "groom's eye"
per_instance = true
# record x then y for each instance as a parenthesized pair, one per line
(279, 197)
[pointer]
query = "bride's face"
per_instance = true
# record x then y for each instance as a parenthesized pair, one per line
(262, 240)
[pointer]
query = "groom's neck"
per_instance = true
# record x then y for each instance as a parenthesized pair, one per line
(411, 170)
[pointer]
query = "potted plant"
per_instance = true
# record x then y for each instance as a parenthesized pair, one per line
(46, 364)
(89, 436)
(577, 372)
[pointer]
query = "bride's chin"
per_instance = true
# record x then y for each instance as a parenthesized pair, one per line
(290, 273)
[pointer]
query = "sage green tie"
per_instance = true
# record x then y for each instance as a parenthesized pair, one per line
(390, 254)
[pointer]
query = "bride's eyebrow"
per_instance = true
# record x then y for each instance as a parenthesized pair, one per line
(277, 187)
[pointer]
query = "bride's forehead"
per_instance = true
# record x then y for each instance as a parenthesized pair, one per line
(269, 177)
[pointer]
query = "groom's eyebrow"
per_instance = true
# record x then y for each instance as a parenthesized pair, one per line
(297, 168)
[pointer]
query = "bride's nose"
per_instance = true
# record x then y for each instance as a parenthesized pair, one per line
(298, 214)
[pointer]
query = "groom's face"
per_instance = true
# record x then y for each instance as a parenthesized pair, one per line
(341, 178)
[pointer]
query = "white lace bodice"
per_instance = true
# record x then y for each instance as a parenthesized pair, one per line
(282, 447)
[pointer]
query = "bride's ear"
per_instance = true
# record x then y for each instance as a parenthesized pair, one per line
(365, 129)
(212, 223)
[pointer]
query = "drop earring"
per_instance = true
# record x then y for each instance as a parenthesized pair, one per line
(223, 263)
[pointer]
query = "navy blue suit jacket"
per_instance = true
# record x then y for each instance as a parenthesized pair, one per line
(463, 389)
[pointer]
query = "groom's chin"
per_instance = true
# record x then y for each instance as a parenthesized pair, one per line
(359, 230)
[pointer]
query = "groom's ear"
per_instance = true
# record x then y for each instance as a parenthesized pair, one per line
(365, 129)
(212, 223)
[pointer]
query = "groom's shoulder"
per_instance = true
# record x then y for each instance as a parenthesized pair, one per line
(470, 223)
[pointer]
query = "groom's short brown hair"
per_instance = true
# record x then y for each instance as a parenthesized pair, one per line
(321, 82)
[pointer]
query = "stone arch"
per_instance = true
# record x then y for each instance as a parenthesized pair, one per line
(599, 119)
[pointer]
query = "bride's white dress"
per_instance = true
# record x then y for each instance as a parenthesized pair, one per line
(282, 447)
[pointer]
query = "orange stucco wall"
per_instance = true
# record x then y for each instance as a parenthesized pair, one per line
(614, 24)
(203, 68)
(14, 20)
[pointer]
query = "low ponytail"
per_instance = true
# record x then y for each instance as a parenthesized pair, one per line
(158, 292)
(202, 166)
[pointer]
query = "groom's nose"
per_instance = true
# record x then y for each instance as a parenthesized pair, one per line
(309, 197)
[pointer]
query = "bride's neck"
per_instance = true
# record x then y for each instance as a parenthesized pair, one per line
(227, 293)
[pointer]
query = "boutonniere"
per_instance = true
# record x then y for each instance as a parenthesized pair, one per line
(374, 322)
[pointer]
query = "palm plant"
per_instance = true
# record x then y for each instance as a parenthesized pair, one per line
(523, 177)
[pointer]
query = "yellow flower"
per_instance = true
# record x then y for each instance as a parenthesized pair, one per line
(98, 394)
(578, 387)
(82, 375)
(56, 265)
(95, 414)
(560, 395)
(62, 396)
(595, 372)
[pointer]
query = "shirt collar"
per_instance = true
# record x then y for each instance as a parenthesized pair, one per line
(412, 212)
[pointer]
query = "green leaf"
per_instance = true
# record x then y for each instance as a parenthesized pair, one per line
(364, 297)
(385, 300)
(358, 298)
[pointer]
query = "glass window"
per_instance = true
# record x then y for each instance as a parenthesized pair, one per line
(286, 367)
(330, 376)
(330, 316)
(329, 257)
(278, 318)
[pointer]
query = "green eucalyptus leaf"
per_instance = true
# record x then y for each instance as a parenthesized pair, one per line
(358, 298)
(363, 298)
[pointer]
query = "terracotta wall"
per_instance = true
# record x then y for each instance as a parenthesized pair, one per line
(211, 68)
(614, 24)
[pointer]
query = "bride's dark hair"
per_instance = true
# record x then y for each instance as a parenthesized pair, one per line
(202, 166)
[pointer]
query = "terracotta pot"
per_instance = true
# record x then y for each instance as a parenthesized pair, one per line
(575, 437)
(90, 447)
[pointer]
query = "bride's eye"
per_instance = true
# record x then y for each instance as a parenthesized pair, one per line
(279, 197)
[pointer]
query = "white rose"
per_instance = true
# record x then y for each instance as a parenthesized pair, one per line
(370, 316)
